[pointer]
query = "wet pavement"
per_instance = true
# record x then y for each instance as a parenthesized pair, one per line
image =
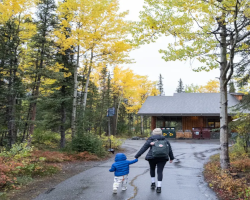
(182, 180)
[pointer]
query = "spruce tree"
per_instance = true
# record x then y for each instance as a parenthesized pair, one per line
(160, 86)
(43, 52)
(180, 88)
(103, 99)
(231, 87)
(11, 86)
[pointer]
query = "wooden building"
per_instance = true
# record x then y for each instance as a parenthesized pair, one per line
(187, 110)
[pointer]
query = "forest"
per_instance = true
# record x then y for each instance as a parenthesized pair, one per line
(60, 71)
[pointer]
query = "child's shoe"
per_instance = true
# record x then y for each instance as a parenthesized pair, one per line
(158, 189)
(124, 188)
(114, 190)
(153, 186)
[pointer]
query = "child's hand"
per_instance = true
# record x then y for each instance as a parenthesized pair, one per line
(152, 143)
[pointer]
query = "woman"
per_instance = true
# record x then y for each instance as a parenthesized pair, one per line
(160, 162)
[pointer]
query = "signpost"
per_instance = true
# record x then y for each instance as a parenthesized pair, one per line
(110, 113)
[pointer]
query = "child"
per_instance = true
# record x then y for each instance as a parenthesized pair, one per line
(121, 169)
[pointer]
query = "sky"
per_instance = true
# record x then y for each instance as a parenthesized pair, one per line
(149, 62)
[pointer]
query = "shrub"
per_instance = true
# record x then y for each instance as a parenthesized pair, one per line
(6, 177)
(45, 139)
(115, 142)
(238, 149)
(223, 180)
(88, 142)
(17, 151)
(233, 183)
(242, 164)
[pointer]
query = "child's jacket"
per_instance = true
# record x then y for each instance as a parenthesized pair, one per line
(121, 165)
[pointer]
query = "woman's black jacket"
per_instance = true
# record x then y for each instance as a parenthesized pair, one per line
(147, 145)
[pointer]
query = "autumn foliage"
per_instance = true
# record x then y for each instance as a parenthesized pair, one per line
(232, 183)
(38, 163)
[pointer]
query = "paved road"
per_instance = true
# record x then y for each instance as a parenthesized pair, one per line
(182, 180)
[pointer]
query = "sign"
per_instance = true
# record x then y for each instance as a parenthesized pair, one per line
(111, 112)
(168, 134)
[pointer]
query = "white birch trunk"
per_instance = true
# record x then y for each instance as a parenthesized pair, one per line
(224, 154)
(87, 83)
(73, 121)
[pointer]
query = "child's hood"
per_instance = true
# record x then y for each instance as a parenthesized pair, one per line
(120, 157)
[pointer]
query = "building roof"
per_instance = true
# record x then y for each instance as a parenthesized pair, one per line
(186, 104)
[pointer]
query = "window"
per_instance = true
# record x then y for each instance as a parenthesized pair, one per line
(213, 123)
(217, 124)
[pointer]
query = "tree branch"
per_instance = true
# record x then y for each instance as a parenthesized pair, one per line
(233, 45)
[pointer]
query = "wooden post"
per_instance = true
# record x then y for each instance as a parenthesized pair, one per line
(183, 125)
(153, 123)
(142, 125)
(163, 123)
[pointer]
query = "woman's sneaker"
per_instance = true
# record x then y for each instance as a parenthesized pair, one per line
(124, 188)
(153, 186)
(158, 189)
(115, 190)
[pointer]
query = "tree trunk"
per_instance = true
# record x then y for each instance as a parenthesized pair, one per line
(12, 92)
(101, 113)
(117, 113)
(142, 129)
(87, 82)
(26, 123)
(114, 118)
(129, 124)
(63, 119)
(224, 154)
(33, 113)
(11, 116)
(11, 106)
(73, 122)
(62, 127)
(35, 95)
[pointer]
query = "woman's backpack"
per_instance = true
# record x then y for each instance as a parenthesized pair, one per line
(160, 149)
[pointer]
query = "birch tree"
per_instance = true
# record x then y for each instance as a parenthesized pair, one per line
(212, 86)
(99, 32)
(105, 38)
(130, 87)
(210, 31)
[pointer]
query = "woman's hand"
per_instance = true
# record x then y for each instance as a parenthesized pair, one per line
(152, 143)
(171, 161)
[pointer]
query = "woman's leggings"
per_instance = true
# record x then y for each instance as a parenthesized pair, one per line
(160, 166)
